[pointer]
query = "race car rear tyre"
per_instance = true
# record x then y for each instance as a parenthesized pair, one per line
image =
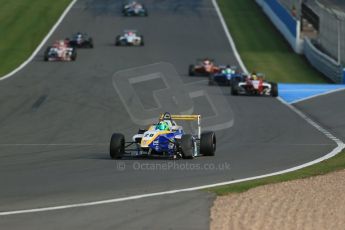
(142, 41)
(187, 146)
(210, 80)
(274, 90)
(91, 43)
(117, 146)
(208, 144)
(234, 88)
(74, 55)
(191, 70)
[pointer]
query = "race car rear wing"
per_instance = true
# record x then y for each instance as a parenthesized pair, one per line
(192, 117)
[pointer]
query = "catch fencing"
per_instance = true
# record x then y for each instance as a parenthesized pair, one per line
(332, 32)
(322, 62)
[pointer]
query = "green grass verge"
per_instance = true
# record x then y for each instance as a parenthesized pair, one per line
(261, 45)
(332, 164)
(24, 23)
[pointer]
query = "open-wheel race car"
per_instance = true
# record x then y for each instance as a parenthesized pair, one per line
(129, 38)
(60, 51)
(203, 67)
(165, 139)
(226, 76)
(254, 84)
(80, 40)
(134, 9)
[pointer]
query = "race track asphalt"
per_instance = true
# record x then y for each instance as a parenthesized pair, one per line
(328, 110)
(57, 118)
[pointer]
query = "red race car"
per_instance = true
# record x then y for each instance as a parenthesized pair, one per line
(254, 84)
(204, 67)
(60, 51)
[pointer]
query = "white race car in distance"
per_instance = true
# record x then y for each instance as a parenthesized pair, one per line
(129, 38)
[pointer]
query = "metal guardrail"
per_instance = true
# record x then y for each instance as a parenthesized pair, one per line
(325, 64)
(332, 31)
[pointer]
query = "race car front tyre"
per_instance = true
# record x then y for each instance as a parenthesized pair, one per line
(117, 40)
(274, 89)
(208, 144)
(117, 146)
(46, 53)
(142, 41)
(191, 70)
(187, 146)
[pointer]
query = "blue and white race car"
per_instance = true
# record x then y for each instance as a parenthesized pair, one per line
(165, 138)
(227, 75)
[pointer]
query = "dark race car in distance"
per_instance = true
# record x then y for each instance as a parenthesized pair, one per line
(134, 9)
(226, 76)
(203, 67)
(80, 40)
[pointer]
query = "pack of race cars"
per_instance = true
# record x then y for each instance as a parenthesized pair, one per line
(166, 138)
(240, 83)
(66, 49)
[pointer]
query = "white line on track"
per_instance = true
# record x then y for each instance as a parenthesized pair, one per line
(228, 35)
(335, 151)
(63, 15)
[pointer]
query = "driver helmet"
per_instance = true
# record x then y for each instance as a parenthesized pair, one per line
(163, 125)
(228, 70)
(207, 62)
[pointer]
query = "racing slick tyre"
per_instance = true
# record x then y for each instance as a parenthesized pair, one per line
(234, 88)
(90, 45)
(142, 41)
(117, 40)
(117, 146)
(211, 81)
(187, 146)
(274, 89)
(191, 70)
(74, 55)
(208, 144)
(46, 53)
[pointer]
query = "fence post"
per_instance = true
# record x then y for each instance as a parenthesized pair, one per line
(343, 78)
